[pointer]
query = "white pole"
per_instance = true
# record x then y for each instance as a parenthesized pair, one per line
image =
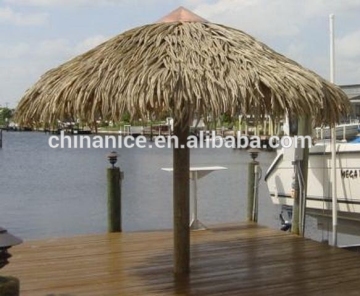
(333, 138)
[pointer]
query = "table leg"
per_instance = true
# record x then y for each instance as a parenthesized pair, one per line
(195, 223)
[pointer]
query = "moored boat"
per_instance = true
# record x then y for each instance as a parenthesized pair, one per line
(279, 179)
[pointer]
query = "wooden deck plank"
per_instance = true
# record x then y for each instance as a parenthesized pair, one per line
(245, 259)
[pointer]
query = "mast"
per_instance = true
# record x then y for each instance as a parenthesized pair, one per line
(333, 138)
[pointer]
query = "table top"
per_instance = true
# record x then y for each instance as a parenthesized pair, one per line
(199, 172)
(202, 168)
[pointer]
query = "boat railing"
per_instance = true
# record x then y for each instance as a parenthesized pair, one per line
(277, 159)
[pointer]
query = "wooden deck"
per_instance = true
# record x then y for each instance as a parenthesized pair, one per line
(244, 259)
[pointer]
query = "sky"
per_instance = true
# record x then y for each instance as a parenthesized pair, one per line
(37, 35)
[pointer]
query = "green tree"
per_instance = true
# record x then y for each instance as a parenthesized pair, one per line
(6, 115)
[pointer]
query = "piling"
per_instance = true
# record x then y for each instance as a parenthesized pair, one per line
(299, 208)
(295, 225)
(114, 177)
(151, 132)
(9, 286)
(1, 138)
(252, 198)
(255, 209)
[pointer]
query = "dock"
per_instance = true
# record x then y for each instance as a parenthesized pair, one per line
(241, 259)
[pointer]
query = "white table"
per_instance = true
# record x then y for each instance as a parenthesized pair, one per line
(195, 174)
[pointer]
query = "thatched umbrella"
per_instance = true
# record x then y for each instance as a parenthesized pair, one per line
(181, 64)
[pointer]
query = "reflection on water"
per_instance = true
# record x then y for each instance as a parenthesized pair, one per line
(49, 192)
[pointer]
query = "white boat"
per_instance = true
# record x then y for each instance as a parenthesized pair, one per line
(345, 132)
(279, 179)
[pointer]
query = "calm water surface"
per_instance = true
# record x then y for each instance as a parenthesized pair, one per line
(49, 192)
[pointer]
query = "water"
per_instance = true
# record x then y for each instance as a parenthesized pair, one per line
(49, 192)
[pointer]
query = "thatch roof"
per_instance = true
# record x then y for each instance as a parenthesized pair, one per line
(181, 67)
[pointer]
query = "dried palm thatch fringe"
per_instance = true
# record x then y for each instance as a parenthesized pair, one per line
(181, 67)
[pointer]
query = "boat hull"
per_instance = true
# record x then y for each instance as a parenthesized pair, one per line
(279, 179)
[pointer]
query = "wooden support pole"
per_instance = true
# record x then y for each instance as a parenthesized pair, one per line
(305, 129)
(298, 221)
(256, 193)
(9, 286)
(295, 227)
(265, 133)
(252, 192)
(151, 132)
(181, 203)
(114, 199)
